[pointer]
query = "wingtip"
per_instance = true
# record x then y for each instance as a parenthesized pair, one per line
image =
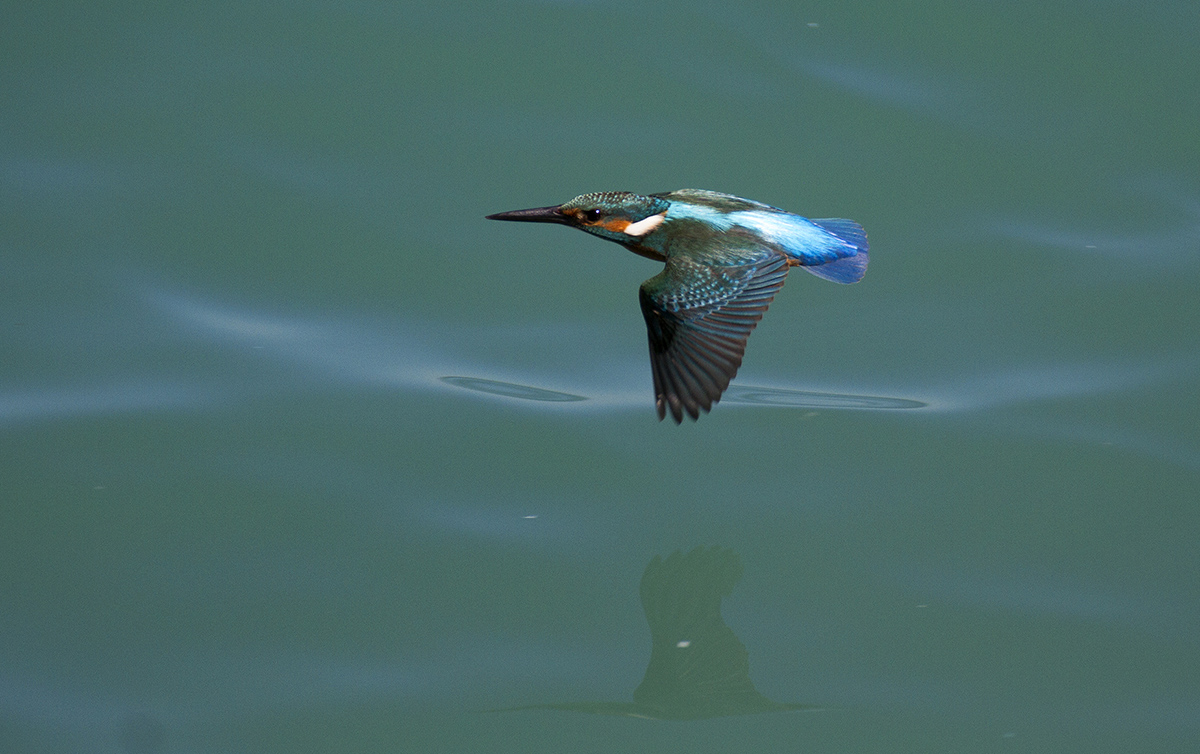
(660, 406)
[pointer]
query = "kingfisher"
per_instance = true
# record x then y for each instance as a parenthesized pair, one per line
(725, 259)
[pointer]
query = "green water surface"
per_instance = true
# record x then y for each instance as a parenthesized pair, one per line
(298, 453)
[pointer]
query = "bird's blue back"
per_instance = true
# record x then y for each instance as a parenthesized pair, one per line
(834, 249)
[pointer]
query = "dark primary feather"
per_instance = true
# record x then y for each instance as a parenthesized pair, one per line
(698, 317)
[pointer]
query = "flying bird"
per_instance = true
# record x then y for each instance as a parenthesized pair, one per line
(726, 258)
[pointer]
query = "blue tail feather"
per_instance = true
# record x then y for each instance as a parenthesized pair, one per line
(847, 230)
(847, 269)
(844, 270)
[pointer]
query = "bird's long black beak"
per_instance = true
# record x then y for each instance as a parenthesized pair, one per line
(535, 215)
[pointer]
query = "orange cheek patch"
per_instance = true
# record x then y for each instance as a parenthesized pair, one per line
(615, 225)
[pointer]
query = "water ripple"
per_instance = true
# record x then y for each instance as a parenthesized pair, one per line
(511, 390)
(395, 355)
(23, 406)
(360, 352)
(773, 396)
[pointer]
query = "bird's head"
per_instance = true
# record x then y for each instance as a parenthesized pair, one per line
(616, 215)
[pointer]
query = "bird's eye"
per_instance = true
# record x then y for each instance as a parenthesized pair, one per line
(592, 215)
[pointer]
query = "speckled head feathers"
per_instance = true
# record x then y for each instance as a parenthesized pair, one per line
(623, 204)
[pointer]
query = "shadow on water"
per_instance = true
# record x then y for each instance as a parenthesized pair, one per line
(698, 668)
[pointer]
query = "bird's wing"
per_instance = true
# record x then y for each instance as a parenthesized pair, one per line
(698, 315)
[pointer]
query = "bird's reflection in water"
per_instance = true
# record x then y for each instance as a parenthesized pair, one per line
(698, 667)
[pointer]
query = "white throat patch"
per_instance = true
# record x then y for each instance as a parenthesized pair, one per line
(642, 227)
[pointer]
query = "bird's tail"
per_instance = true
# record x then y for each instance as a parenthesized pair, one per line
(847, 269)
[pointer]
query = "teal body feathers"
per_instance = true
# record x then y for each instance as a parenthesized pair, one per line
(726, 258)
